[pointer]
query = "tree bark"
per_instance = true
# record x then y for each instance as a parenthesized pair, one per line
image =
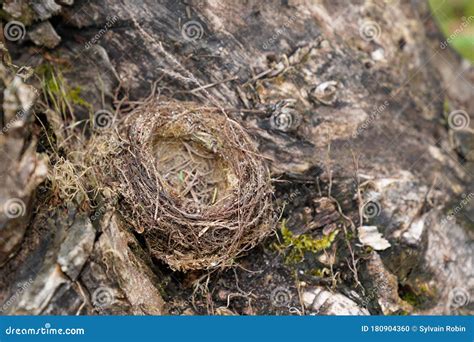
(349, 104)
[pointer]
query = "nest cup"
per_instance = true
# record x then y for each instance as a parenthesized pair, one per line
(192, 183)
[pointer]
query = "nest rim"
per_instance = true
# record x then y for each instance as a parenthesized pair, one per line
(208, 234)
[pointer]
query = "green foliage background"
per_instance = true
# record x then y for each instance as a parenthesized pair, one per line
(450, 15)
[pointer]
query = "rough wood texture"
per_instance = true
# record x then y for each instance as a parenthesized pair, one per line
(349, 103)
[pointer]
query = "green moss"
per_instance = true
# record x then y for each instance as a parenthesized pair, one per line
(74, 95)
(61, 96)
(4, 15)
(320, 272)
(411, 299)
(27, 15)
(426, 289)
(402, 313)
(418, 295)
(298, 245)
(446, 106)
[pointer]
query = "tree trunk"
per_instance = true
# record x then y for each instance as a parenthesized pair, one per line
(362, 116)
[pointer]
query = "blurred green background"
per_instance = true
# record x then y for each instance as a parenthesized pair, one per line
(452, 15)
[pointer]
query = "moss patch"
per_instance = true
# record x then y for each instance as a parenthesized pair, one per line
(61, 96)
(298, 245)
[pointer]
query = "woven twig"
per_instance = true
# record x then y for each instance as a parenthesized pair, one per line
(191, 181)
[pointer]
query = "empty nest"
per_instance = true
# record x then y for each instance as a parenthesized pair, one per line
(191, 182)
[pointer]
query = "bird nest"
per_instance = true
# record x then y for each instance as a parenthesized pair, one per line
(192, 183)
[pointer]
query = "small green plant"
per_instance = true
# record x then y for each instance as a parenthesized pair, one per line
(298, 245)
(181, 176)
(59, 95)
